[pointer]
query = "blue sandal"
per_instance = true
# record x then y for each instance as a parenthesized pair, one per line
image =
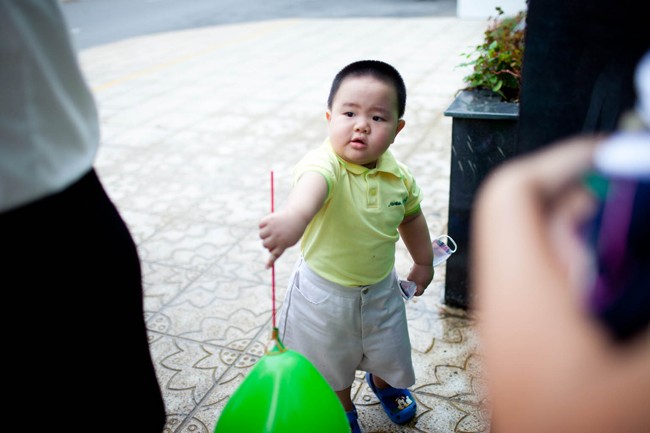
(353, 419)
(398, 404)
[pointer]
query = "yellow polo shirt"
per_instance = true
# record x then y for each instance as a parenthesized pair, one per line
(351, 240)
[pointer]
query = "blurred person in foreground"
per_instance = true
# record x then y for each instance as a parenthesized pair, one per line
(71, 271)
(551, 365)
(563, 284)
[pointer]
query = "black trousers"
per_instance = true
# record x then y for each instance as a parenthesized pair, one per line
(75, 341)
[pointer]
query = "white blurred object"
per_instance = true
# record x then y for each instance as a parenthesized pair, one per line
(625, 155)
(642, 84)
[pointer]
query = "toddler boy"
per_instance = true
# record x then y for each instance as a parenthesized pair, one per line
(350, 203)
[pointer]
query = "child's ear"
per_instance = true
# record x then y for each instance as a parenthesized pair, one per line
(328, 115)
(400, 125)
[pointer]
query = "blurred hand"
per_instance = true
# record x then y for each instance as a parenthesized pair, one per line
(279, 231)
(556, 178)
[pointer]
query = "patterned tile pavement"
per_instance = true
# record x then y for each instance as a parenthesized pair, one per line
(193, 122)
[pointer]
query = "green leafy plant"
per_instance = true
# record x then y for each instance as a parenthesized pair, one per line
(497, 61)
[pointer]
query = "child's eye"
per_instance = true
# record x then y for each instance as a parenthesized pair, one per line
(348, 113)
(377, 118)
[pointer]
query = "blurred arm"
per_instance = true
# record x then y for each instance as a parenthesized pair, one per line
(550, 366)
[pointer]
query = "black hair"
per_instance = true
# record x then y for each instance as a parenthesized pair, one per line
(376, 69)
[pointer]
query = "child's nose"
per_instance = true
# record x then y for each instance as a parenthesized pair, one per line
(362, 125)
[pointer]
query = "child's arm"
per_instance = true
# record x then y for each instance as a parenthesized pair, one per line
(281, 230)
(415, 234)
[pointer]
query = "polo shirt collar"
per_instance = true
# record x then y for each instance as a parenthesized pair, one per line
(386, 163)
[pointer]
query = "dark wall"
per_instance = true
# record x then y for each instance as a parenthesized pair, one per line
(578, 68)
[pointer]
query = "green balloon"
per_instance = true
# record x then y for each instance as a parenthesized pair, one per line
(283, 393)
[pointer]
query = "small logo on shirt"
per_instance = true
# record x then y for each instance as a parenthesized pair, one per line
(397, 203)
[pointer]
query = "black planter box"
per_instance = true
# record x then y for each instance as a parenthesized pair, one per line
(483, 135)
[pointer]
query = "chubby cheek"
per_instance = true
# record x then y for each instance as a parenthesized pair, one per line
(384, 138)
(341, 123)
(338, 130)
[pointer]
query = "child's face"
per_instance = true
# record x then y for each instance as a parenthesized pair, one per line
(363, 120)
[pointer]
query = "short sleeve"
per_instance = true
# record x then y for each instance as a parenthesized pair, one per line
(412, 205)
(322, 161)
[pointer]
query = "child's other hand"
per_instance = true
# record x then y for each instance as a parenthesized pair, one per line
(422, 275)
(279, 231)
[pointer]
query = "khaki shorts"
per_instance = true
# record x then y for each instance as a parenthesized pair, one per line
(343, 329)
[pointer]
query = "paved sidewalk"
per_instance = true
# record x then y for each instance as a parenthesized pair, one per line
(192, 124)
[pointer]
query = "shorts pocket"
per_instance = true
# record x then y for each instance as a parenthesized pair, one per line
(310, 291)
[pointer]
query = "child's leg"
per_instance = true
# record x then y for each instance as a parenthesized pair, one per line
(379, 382)
(319, 319)
(387, 350)
(346, 400)
(387, 347)
(350, 411)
